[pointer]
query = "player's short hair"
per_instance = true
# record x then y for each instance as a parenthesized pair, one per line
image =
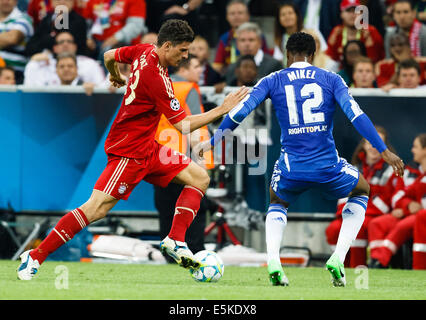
(408, 64)
(176, 31)
(301, 43)
(65, 55)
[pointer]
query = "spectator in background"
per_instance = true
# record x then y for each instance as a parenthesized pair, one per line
(66, 69)
(404, 16)
(353, 50)
(114, 23)
(15, 30)
(41, 70)
(287, 21)
(7, 76)
(380, 177)
(408, 76)
(388, 233)
(209, 76)
(38, 9)
(363, 73)
(249, 42)
(320, 15)
(53, 23)
(227, 51)
(347, 31)
(400, 50)
(245, 72)
(321, 59)
(162, 10)
(150, 37)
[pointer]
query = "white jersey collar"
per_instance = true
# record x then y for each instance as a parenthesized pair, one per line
(300, 64)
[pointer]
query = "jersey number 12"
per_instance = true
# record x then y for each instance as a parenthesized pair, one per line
(313, 92)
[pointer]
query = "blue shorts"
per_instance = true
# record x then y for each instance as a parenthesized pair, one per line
(339, 185)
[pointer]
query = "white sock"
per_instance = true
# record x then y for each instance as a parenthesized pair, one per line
(353, 215)
(276, 220)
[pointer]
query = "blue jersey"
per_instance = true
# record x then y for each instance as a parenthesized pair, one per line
(304, 99)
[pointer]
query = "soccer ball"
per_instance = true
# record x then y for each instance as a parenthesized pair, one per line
(211, 269)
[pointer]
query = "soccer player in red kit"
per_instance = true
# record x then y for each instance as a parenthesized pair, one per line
(133, 153)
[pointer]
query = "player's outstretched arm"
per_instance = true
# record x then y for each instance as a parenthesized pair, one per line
(364, 126)
(394, 161)
(116, 78)
(194, 122)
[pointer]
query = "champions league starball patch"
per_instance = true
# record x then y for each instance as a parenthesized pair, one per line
(175, 105)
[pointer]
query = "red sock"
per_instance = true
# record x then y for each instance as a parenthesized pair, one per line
(186, 209)
(68, 226)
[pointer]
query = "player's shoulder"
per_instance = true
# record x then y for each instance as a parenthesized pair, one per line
(270, 78)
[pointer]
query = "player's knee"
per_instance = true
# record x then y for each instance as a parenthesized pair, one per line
(204, 180)
(199, 178)
(95, 209)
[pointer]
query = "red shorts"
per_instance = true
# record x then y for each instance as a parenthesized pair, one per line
(122, 174)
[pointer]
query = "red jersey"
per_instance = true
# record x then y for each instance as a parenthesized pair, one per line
(109, 16)
(149, 94)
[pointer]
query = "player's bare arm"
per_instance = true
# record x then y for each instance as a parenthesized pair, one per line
(116, 78)
(199, 120)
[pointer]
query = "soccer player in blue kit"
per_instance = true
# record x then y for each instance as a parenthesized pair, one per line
(304, 99)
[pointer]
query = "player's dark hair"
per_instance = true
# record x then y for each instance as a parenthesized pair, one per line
(422, 139)
(301, 43)
(176, 31)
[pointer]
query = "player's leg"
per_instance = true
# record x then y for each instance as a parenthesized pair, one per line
(67, 227)
(358, 250)
(275, 223)
(353, 215)
(196, 181)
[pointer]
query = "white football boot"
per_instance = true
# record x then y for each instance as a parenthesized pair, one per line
(179, 252)
(28, 267)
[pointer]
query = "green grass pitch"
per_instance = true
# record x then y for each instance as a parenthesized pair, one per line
(95, 281)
